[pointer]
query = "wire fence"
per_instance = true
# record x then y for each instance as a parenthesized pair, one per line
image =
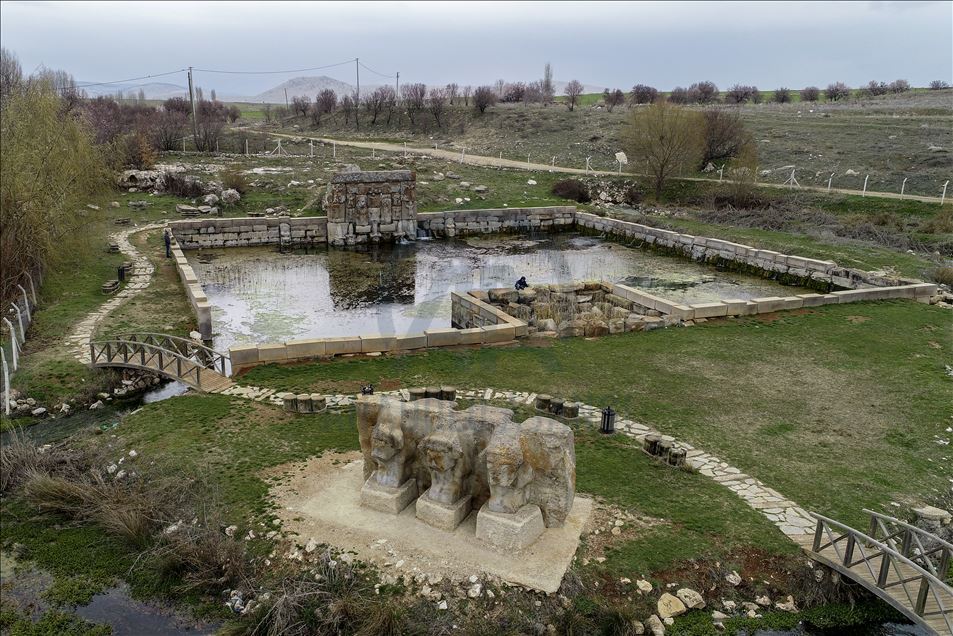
(15, 321)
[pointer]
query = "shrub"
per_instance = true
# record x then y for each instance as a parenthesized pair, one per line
(782, 95)
(642, 94)
(235, 180)
(703, 92)
(725, 135)
(899, 86)
(939, 85)
(741, 93)
(837, 91)
(572, 189)
(138, 152)
(180, 185)
(943, 276)
(483, 98)
(810, 94)
(679, 95)
(633, 195)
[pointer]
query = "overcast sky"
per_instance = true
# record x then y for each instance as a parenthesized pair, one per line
(614, 44)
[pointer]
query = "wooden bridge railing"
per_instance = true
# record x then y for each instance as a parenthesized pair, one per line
(146, 356)
(895, 577)
(208, 357)
(923, 548)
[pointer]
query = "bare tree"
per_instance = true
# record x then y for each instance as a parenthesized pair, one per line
(211, 120)
(549, 91)
(466, 95)
(199, 94)
(513, 93)
(534, 93)
(168, 128)
(348, 106)
(874, 89)
(483, 98)
(414, 97)
(437, 103)
(573, 90)
(500, 85)
(703, 92)
(810, 94)
(642, 94)
(613, 98)
(666, 138)
(234, 113)
(782, 95)
(453, 90)
(375, 102)
(742, 93)
(326, 101)
(141, 95)
(300, 104)
(899, 86)
(679, 95)
(939, 85)
(725, 135)
(836, 91)
(214, 99)
(11, 73)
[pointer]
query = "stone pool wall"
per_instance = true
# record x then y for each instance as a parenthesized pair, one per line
(193, 291)
(462, 222)
(496, 327)
(249, 232)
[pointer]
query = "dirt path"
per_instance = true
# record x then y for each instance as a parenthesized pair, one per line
(496, 162)
(142, 269)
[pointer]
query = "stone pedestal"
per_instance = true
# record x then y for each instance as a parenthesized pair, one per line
(443, 516)
(386, 499)
(510, 531)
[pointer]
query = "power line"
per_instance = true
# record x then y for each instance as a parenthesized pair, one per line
(131, 79)
(293, 70)
(368, 68)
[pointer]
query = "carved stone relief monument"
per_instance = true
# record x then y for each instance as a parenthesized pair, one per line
(520, 478)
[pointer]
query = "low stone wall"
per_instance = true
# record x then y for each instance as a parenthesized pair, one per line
(498, 328)
(461, 222)
(193, 291)
(248, 232)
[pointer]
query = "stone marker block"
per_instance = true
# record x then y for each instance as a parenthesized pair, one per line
(510, 531)
(304, 402)
(499, 333)
(386, 499)
(471, 336)
(768, 304)
(710, 310)
(443, 516)
(243, 355)
(813, 300)
(736, 306)
(341, 345)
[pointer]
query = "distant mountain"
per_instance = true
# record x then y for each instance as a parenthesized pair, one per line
(560, 87)
(154, 90)
(303, 86)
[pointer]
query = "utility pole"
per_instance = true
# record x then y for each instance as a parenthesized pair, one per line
(286, 98)
(195, 129)
(357, 95)
(397, 88)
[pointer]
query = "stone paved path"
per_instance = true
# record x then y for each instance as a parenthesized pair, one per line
(137, 280)
(791, 519)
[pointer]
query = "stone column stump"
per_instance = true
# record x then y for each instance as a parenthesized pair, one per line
(304, 402)
(570, 410)
(542, 402)
(417, 393)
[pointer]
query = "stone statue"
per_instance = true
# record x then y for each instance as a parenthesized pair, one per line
(390, 455)
(507, 471)
(449, 464)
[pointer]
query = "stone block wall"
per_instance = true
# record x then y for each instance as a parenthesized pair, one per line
(249, 232)
(193, 291)
(371, 206)
(461, 222)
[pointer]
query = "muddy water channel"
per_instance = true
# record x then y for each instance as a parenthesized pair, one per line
(261, 295)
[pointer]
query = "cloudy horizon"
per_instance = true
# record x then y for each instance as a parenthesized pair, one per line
(612, 44)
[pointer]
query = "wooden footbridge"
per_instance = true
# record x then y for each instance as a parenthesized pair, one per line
(180, 359)
(906, 566)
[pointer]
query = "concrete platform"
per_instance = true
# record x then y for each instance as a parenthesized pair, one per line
(322, 501)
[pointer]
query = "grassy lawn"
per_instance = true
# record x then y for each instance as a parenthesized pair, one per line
(850, 395)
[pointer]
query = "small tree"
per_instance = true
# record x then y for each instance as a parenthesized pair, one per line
(500, 85)
(513, 93)
(703, 92)
(234, 113)
(742, 93)
(810, 94)
(348, 104)
(679, 95)
(534, 93)
(836, 91)
(939, 85)
(572, 91)
(483, 98)
(547, 83)
(437, 104)
(874, 88)
(326, 101)
(168, 129)
(613, 98)
(782, 95)
(899, 86)
(467, 90)
(300, 105)
(414, 97)
(453, 90)
(725, 136)
(666, 138)
(642, 94)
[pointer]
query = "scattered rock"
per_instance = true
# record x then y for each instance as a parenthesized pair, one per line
(230, 531)
(38, 412)
(231, 196)
(531, 182)
(475, 590)
(654, 623)
(644, 586)
(669, 606)
(763, 601)
(733, 578)
(788, 605)
(691, 598)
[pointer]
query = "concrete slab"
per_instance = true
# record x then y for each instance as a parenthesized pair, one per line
(323, 501)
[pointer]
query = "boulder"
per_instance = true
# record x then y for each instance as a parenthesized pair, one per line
(504, 295)
(655, 626)
(670, 606)
(691, 598)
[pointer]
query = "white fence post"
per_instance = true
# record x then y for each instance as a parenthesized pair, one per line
(32, 287)
(865, 185)
(13, 342)
(20, 320)
(6, 382)
(829, 180)
(903, 186)
(26, 304)
(721, 173)
(943, 196)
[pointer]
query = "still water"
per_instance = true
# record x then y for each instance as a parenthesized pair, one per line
(261, 295)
